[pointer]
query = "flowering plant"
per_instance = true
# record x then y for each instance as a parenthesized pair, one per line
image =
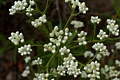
(57, 55)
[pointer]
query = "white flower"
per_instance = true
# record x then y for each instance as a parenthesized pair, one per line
(71, 66)
(111, 21)
(16, 38)
(64, 50)
(27, 59)
(82, 7)
(56, 38)
(25, 50)
(38, 22)
(117, 44)
(95, 19)
(81, 38)
(77, 24)
(61, 70)
(88, 54)
(117, 62)
(112, 27)
(101, 49)
(41, 76)
(26, 72)
(18, 6)
(32, 2)
(92, 70)
(37, 61)
(102, 35)
(110, 72)
(28, 11)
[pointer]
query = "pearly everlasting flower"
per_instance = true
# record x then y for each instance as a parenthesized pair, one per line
(18, 6)
(82, 7)
(92, 70)
(26, 72)
(102, 35)
(27, 59)
(37, 61)
(101, 50)
(81, 38)
(117, 45)
(95, 19)
(88, 54)
(41, 76)
(38, 22)
(112, 27)
(64, 50)
(77, 24)
(16, 38)
(25, 50)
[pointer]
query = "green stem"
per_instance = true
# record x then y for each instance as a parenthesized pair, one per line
(47, 66)
(70, 17)
(38, 9)
(36, 45)
(79, 63)
(91, 59)
(46, 7)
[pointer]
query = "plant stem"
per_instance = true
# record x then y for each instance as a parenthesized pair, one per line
(38, 9)
(47, 66)
(70, 17)
(46, 7)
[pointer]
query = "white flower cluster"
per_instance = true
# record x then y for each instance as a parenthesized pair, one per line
(95, 19)
(37, 61)
(56, 38)
(21, 5)
(101, 49)
(26, 71)
(113, 27)
(27, 59)
(77, 24)
(41, 76)
(25, 50)
(81, 6)
(88, 54)
(102, 35)
(117, 44)
(69, 66)
(91, 71)
(81, 38)
(29, 9)
(117, 62)
(110, 72)
(16, 38)
(38, 22)
(18, 6)
(64, 50)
